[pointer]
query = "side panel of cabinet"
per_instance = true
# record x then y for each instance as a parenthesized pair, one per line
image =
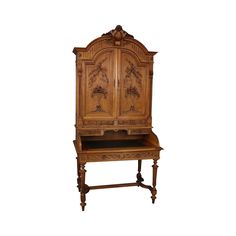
(98, 86)
(134, 92)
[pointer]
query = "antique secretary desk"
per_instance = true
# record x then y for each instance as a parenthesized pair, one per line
(113, 106)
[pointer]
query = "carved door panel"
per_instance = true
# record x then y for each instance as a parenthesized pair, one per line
(98, 87)
(133, 97)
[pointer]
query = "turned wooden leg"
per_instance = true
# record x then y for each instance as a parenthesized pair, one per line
(139, 176)
(78, 174)
(154, 179)
(82, 186)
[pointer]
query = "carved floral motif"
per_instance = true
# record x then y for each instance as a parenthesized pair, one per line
(132, 70)
(99, 90)
(133, 79)
(99, 76)
(99, 73)
(132, 91)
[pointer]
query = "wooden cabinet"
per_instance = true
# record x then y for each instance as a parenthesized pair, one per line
(113, 103)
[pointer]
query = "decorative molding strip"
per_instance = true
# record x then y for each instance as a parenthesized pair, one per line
(98, 122)
(90, 132)
(132, 122)
(119, 156)
(139, 131)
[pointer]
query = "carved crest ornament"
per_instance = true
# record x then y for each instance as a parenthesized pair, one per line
(117, 35)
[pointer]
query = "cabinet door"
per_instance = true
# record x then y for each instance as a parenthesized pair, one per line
(134, 97)
(98, 86)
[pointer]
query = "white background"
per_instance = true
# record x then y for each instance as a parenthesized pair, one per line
(193, 115)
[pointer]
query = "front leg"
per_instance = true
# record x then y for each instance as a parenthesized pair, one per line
(154, 178)
(78, 174)
(82, 186)
(139, 175)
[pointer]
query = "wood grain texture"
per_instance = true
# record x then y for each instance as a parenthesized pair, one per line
(114, 76)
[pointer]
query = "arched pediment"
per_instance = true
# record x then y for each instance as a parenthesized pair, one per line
(116, 38)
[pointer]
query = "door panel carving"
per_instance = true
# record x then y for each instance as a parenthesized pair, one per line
(133, 82)
(99, 81)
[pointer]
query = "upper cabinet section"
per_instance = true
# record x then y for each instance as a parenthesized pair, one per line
(113, 85)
